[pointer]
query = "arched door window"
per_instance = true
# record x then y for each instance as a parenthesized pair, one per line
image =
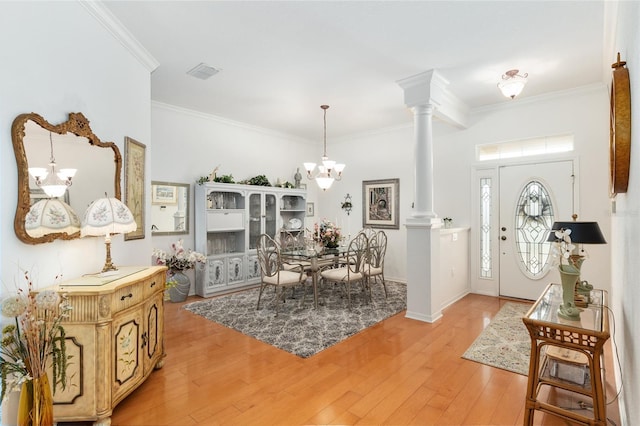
(533, 220)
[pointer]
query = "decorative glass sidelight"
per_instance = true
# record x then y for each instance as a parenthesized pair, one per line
(533, 220)
(485, 228)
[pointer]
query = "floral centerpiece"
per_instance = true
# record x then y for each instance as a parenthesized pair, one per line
(569, 273)
(178, 261)
(35, 341)
(327, 233)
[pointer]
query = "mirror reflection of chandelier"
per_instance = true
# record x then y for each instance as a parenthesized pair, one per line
(53, 183)
(329, 170)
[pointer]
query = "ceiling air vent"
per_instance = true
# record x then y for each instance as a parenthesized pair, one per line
(203, 71)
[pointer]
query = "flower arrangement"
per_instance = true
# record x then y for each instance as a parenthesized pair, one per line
(36, 340)
(327, 233)
(562, 251)
(179, 259)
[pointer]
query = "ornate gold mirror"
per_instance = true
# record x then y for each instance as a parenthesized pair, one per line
(169, 208)
(72, 144)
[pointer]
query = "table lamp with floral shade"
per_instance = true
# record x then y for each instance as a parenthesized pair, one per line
(569, 236)
(107, 216)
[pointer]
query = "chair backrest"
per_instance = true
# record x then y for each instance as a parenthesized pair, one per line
(268, 255)
(369, 232)
(291, 241)
(377, 249)
(357, 254)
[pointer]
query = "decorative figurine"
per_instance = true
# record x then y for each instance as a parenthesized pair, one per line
(297, 177)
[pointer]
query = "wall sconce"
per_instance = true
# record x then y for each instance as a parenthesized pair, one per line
(346, 204)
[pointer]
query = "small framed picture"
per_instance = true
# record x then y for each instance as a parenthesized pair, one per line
(303, 186)
(310, 209)
(164, 194)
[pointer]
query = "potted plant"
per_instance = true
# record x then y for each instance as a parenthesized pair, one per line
(178, 261)
(35, 342)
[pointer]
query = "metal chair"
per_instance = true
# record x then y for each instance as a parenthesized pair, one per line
(353, 270)
(272, 270)
(374, 268)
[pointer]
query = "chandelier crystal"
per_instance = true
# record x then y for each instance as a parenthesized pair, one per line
(53, 183)
(329, 170)
(512, 83)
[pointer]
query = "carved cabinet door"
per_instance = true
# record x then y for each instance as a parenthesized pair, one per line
(127, 342)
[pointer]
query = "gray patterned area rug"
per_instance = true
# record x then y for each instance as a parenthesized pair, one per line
(299, 328)
(505, 342)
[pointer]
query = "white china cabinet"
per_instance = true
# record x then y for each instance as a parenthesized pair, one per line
(228, 220)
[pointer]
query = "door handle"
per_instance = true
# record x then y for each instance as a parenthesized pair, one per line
(503, 238)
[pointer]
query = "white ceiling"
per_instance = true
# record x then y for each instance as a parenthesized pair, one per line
(281, 60)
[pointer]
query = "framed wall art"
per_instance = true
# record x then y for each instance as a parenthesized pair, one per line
(381, 203)
(164, 194)
(134, 165)
(310, 209)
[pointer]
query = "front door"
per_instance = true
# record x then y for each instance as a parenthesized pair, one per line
(532, 197)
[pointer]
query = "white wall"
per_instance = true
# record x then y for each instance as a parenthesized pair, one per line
(625, 292)
(58, 59)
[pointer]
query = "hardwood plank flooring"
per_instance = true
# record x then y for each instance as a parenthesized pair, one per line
(399, 372)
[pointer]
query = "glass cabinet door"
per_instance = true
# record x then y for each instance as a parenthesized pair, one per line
(270, 215)
(262, 217)
(255, 219)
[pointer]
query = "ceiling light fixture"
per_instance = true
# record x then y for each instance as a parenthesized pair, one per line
(329, 170)
(512, 83)
(53, 183)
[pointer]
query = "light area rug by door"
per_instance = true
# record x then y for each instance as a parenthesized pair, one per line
(505, 342)
(299, 328)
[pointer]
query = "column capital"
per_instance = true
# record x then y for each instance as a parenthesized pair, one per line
(430, 88)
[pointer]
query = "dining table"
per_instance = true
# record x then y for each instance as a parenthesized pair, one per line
(317, 258)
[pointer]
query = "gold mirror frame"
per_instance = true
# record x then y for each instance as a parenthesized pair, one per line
(76, 124)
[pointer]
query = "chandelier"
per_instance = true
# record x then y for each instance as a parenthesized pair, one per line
(329, 170)
(53, 183)
(512, 83)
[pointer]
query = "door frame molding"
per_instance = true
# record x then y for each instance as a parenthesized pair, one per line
(491, 286)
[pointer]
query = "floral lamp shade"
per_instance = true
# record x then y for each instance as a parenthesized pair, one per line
(51, 215)
(106, 216)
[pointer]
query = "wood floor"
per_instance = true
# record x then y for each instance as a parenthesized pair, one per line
(399, 372)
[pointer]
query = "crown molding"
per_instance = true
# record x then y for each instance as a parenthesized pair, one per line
(508, 104)
(108, 20)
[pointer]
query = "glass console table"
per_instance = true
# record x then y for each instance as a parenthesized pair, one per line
(567, 355)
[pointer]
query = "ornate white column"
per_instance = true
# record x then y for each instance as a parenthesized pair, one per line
(427, 96)
(423, 175)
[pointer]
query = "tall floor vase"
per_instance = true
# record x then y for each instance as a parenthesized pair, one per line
(180, 287)
(36, 403)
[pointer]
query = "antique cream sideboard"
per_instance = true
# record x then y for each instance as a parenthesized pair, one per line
(114, 337)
